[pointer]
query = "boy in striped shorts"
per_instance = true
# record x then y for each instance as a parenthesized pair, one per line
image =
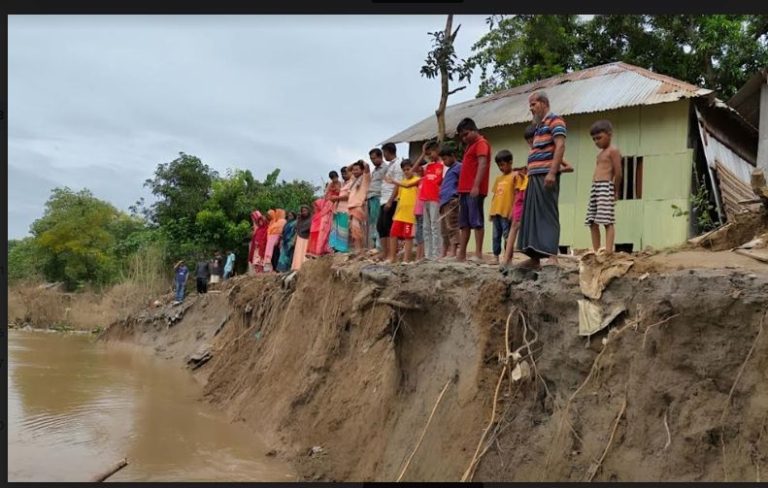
(605, 186)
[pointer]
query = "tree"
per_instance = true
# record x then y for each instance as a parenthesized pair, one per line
(74, 239)
(523, 48)
(442, 60)
(23, 260)
(715, 51)
(225, 220)
(627, 38)
(182, 187)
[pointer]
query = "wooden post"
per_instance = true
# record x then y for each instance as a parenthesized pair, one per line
(762, 144)
(109, 472)
(759, 186)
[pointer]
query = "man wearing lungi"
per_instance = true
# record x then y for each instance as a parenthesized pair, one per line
(540, 225)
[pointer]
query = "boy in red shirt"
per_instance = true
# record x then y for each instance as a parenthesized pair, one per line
(429, 193)
(473, 187)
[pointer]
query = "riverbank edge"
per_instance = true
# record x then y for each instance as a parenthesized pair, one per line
(268, 373)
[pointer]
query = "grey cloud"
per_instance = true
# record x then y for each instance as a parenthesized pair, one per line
(99, 101)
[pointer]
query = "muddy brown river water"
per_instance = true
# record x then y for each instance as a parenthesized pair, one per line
(75, 407)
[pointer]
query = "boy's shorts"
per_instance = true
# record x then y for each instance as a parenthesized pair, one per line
(471, 211)
(601, 204)
(449, 221)
(401, 230)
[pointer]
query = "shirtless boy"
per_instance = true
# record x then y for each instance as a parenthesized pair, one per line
(605, 186)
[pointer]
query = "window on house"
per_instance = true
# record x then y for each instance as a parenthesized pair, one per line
(632, 178)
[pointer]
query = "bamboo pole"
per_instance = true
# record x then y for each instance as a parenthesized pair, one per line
(111, 471)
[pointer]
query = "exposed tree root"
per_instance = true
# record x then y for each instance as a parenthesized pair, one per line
(733, 388)
(424, 431)
(593, 470)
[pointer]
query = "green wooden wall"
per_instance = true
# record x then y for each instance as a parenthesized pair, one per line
(658, 133)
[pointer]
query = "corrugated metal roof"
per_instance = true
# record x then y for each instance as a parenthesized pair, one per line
(605, 87)
(716, 151)
(747, 99)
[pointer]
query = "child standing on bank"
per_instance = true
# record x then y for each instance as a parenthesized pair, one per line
(449, 202)
(418, 211)
(605, 186)
(429, 192)
(501, 204)
(473, 187)
(404, 218)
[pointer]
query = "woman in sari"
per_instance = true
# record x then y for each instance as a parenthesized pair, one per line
(303, 226)
(258, 241)
(287, 243)
(339, 239)
(275, 229)
(322, 221)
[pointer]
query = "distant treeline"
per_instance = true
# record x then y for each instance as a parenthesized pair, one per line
(83, 241)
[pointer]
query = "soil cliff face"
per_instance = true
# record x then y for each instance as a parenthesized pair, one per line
(355, 371)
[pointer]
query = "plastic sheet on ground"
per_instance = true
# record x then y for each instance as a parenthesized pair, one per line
(596, 272)
(593, 317)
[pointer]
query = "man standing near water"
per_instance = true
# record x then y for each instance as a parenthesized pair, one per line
(203, 274)
(229, 267)
(540, 224)
(180, 280)
(217, 268)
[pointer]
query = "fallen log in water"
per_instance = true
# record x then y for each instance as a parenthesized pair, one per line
(108, 473)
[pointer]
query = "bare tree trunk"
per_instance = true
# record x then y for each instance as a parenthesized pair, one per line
(440, 113)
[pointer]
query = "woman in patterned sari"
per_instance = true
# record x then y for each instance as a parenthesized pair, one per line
(339, 239)
(321, 224)
(287, 244)
(303, 226)
(275, 229)
(258, 242)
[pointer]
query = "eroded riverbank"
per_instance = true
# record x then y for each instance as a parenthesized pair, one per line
(353, 358)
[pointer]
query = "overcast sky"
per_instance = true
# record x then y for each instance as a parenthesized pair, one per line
(97, 101)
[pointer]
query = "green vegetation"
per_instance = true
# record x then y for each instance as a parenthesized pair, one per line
(702, 206)
(719, 52)
(83, 241)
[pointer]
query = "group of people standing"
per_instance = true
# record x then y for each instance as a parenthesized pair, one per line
(436, 202)
(279, 240)
(211, 271)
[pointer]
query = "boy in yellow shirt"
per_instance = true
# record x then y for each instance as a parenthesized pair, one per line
(501, 205)
(405, 218)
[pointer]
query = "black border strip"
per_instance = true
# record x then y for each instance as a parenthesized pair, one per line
(383, 7)
(4, 239)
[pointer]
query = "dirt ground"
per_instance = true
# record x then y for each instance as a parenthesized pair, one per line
(354, 371)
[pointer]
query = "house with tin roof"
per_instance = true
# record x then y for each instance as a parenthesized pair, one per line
(676, 139)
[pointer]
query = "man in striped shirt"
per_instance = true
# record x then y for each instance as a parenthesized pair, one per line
(540, 225)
